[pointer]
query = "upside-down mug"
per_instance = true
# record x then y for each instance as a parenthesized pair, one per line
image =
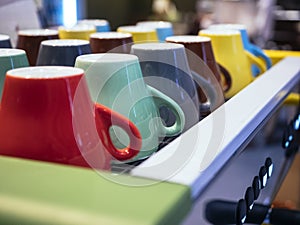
(11, 59)
(163, 29)
(201, 47)
(140, 33)
(61, 52)
(116, 80)
(101, 25)
(79, 31)
(116, 42)
(47, 114)
(252, 48)
(230, 53)
(5, 41)
(165, 66)
(30, 40)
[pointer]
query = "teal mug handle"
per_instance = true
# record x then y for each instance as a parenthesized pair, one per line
(161, 100)
(215, 100)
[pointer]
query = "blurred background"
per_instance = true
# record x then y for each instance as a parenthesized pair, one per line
(271, 24)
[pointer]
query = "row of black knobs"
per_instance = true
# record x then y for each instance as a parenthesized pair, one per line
(219, 212)
(245, 205)
(290, 142)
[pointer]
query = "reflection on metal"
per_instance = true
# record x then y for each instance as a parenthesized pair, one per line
(243, 115)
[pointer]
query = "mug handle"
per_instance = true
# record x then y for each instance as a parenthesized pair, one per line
(160, 100)
(105, 118)
(214, 99)
(226, 76)
(257, 61)
(259, 53)
(292, 99)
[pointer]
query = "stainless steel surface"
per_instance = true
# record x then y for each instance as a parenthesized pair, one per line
(232, 181)
(198, 155)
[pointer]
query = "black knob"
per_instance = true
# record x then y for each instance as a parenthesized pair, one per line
(263, 177)
(241, 212)
(269, 166)
(249, 198)
(256, 187)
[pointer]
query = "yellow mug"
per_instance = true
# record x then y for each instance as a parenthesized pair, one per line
(140, 33)
(276, 56)
(80, 31)
(229, 52)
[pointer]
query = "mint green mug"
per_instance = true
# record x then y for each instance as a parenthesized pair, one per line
(116, 81)
(11, 59)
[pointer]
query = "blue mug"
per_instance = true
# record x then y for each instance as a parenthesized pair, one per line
(255, 50)
(163, 29)
(61, 52)
(5, 41)
(165, 67)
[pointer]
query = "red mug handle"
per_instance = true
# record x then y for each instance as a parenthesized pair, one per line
(105, 118)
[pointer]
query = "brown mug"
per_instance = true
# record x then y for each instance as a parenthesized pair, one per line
(114, 42)
(30, 40)
(202, 48)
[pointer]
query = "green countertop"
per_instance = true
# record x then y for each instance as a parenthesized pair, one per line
(33, 192)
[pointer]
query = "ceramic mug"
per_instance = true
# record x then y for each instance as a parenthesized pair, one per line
(79, 31)
(40, 121)
(165, 67)
(230, 53)
(140, 33)
(100, 24)
(278, 55)
(61, 52)
(30, 40)
(252, 48)
(5, 41)
(11, 59)
(163, 29)
(202, 48)
(111, 42)
(116, 80)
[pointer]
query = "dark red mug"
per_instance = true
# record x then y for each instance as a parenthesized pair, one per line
(41, 120)
(114, 42)
(30, 40)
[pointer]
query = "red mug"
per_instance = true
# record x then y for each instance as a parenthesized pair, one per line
(41, 120)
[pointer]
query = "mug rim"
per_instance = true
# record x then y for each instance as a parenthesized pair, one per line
(135, 29)
(78, 28)
(95, 22)
(188, 39)
(4, 37)
(157, 46)
(155, 24)
(37, 32)
(219, 32)
(230, 26)
(110, 35)
(8, 52)
(64, 42)
(107, 58)
(44, 72)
